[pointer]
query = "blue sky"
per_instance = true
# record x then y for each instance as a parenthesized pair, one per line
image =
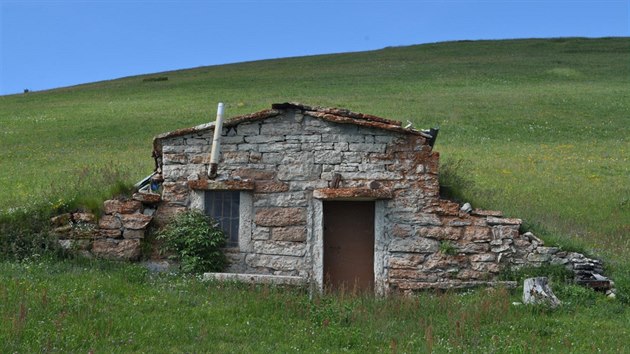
(48, 44)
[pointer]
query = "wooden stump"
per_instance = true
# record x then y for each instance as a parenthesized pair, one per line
(537, 291)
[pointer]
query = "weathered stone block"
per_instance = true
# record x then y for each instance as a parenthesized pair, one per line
(491, 220)
(127, 250)
(109, 222)
(175, 192)
(486, 267)
(405, 261)
(282, 199)
(86, 218)
(108, 233)
(60, 220)
(327, 157)
(135, 221)
(299, 172)
(235, 157)
(254, 174)
(270, 187)
(536, 257)
(133, 234)
(484, 257)
(414, 244)
(264, 139)
(416, 275)
(289, 233)
(147, 198)
(114, 206)
(261, 233)
(279, 147)
(175, 158)
(274, 262)
(477, 233)
(280, 216)
(283, 248)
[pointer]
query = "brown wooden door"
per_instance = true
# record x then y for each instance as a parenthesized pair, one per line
(349, 245)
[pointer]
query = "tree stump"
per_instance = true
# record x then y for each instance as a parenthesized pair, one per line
(537, 291)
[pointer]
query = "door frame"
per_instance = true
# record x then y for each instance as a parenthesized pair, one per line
(380, 254)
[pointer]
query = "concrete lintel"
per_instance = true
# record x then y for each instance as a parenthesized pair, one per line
(257, 278)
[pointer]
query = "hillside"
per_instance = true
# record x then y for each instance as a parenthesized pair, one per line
(540, 126)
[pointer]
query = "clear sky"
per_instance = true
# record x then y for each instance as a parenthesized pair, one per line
(53, 43)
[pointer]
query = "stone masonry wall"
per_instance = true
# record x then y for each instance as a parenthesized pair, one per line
(428, 242)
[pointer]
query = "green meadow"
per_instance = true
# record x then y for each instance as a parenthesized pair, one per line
(538, 128)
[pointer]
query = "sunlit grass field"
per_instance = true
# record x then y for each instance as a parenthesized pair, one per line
(539, 129)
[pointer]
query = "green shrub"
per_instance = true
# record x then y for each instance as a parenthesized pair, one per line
(196, 241)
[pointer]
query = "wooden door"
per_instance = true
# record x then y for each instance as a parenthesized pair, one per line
(349, 245)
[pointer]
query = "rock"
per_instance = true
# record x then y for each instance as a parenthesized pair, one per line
(537, 291)
(60, 220)
(280, 216)
(466, 208)
(133, 234)
(111, 207)
(135, 221)
(147, 198)
(414, 244)
(107, 233)
(109, 222)
(125, 250)
(503, 221)
(282, 248)
(289, 233)
(87, 218)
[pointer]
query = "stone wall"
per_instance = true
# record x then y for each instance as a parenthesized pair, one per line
(116, 235)
(294, 156)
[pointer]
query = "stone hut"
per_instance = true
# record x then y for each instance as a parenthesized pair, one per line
(325, 197)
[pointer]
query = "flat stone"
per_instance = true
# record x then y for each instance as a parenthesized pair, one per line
(491, 220)
(135, 221)
(114, 206)
(280, 216)
(124, 250)
(147, 198)
(107, 233)
(274, 262)
(414, 244)
(87, 218)
(60, 220)
(254, 174)
(109, 222)
(270, 187)
(283, 248)
(133, 234)
(480, 212)
(289, 233)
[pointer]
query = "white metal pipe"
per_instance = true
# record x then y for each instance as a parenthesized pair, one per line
(216, 142)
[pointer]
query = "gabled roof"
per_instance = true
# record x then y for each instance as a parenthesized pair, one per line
(336, 115)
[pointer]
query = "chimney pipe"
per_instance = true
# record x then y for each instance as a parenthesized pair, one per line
(216, 143)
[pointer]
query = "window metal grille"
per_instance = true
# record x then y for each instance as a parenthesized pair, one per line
(223, 206)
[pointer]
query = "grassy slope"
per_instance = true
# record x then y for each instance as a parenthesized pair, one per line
(544, 124)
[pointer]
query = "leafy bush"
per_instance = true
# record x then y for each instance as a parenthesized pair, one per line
(196, 241)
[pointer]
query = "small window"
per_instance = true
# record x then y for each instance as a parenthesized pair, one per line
(223, 206)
